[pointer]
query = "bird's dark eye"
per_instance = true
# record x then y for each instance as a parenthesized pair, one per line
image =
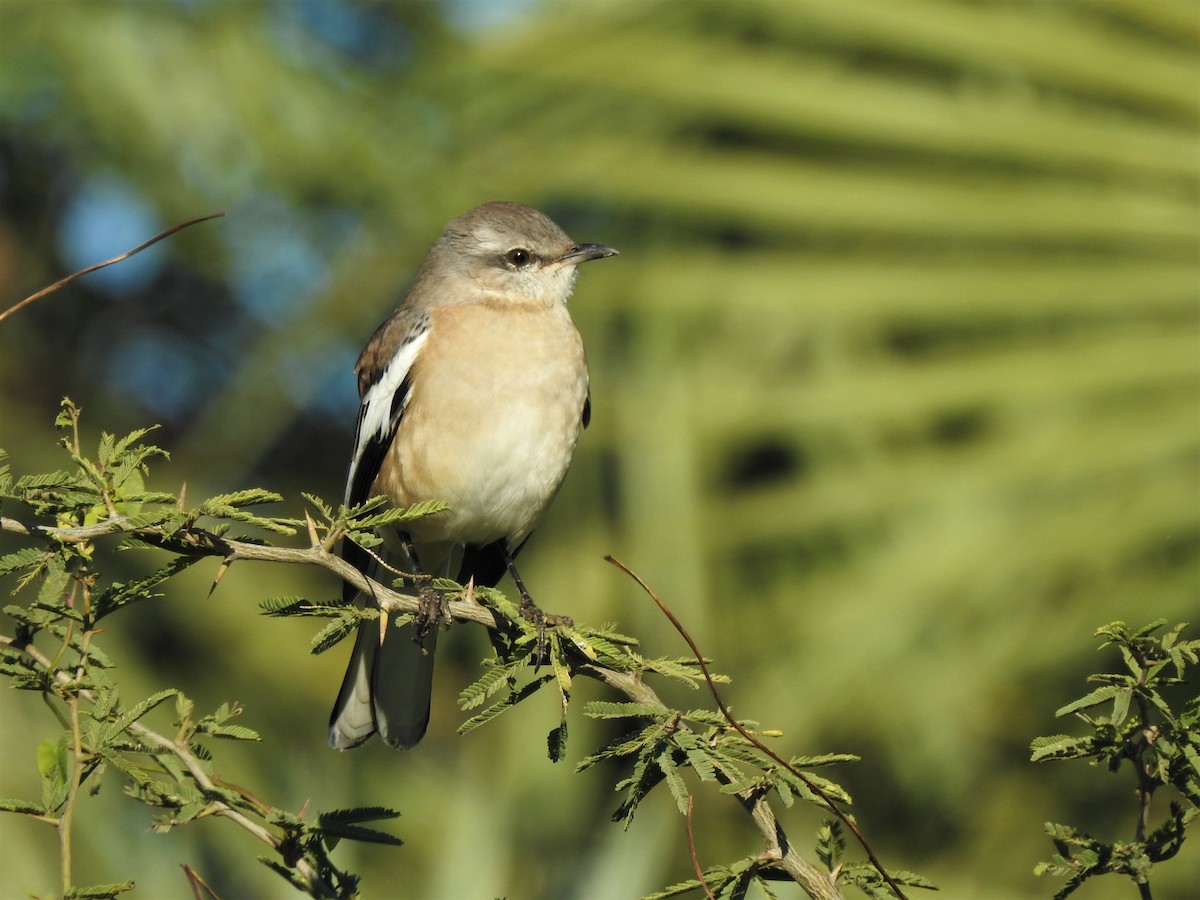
(518, 257)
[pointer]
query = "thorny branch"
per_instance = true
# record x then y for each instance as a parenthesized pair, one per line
(189, 762)
(814, 881)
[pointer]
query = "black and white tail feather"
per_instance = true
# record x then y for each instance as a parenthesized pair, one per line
(389, 680)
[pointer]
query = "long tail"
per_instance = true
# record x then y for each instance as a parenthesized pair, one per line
(387, 688)
(389, 681)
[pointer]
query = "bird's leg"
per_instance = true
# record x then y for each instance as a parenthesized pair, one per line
(531, 611)
(434, 607)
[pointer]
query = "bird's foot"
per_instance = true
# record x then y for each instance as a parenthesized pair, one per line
(434, 612)
(532, 613)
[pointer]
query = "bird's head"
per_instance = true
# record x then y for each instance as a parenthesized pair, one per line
(514, 252)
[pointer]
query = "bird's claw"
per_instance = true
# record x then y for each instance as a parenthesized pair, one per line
(532, 613)
(433, 612)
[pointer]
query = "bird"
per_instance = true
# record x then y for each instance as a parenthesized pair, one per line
(474, 391)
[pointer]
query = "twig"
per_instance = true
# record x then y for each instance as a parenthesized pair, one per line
(200, 887)
(63, 282)
(691, 842)
(712, 688)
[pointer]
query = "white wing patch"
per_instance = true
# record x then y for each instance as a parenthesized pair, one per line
(378, 414)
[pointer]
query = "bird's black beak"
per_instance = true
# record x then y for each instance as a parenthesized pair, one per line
(583, 252)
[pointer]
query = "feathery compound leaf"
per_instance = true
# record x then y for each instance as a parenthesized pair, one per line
(699, 760)
(831, 845)
(866, 878)
(357, 815)
(322, 508)
(684, 670)
(395, 516)
(299, 606)
(229, 506)
(232, 732)
(98, 891)
(249, 497)
(487, 684)
(675, 782)
(706, 717)
(603, 646)
(345, 624)
(1166, 840)
(1095, 698)
(128, 718)
(606, 709)
(1060, 746)
(122, 594)
(154, 517)
(556, 742)
(823, 759)
(622, 746)
(26, 556)
(506, 704)
(20, 806)
(718, 878)
(359, 833)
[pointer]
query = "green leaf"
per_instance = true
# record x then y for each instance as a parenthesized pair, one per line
(249, 497)
(360, 833)
(556, 742)
(232, 732)
(230, 506)
(26, 556)
(128, 718)
(394, 516)
(1095, 698)
(1166, 840)
(51, 760)
(54, 583)
(123, 593)
(99, 891)
(336, 631)
(623, 746)
(281, 607)
(604, 709)
(831, 845)
(358, 814)
(346, 823)
(506, 704)
(323, 508)
(823, 759)
(20, 806)
(1060, 746)
(489, 682)
(675, 782)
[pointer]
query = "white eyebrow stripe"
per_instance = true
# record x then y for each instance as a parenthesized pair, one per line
(376, 420)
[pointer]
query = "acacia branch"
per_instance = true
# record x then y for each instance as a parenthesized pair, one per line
(778, 849)
(190, 762)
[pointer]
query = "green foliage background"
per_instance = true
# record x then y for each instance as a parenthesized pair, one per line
(895, 387)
